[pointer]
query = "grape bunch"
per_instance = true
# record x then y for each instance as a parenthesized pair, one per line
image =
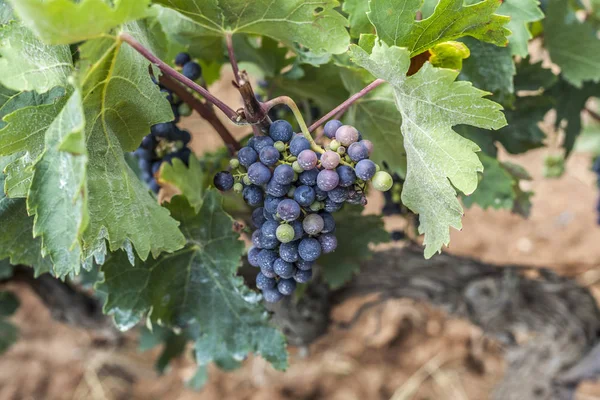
(295, 186)
(166, 141)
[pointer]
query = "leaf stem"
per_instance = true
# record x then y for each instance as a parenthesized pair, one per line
(298, 115)
(204, 110)
(167, 70)
(346, 104)
(232, 59)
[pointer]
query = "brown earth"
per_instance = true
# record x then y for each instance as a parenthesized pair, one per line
(403, 350)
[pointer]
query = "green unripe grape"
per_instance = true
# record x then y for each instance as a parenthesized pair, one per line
(246, 180)
(291, 192)
(184, 110)
(238, 187)
(396, 197)
(382, 181)
(176, 98)
(377, 168)
(297, 168)
(285, 233)
(292, 158)
(280, 146)
(295, 176)
(334, 145)
(341, 150)
(316, 206)
(234, 163)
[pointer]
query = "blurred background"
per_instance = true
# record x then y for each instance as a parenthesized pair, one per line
(399, 350)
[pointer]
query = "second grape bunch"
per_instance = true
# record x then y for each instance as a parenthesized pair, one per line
(295, 188)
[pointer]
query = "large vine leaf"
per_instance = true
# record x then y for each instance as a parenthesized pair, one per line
(521, 13)
(28, 64)
(375, 116)
(355, 233)
(121, 103)
(573, 45)
(490, 68)
(357, 17)
(66, 21)
(197, 287)
(188, 180)
(439, 160)
(58, 194)
(16, 238)
(315, 25)
(395, 23)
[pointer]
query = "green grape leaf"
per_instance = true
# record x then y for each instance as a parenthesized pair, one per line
(395, 23)
(355, 232)
(573, 45)
(268, 55)
(196, 287)
(357, 17)
(189, 180)
(490, 68)
(521, 13)
(376, 116)
(16, 240)
(533, 76)
(315, 25)
(322, 85)
(438, 159)
(58, 194)
(121, 103)
(523, 132)
(65, 21)
(570, 102)
(496, 187)
(28, 64)
(17, 100)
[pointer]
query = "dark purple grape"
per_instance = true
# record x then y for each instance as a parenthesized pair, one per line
(163, 130)
(298, 144)
(156, 167)
(309, 178)
(259, 174)
(272, 295)
(182, 58)
(271, 203)
(223, 181)
(253, 195)
(277, 190)
(288, 210)
(331, 127)
(247, 156)
(328, 243)
(192, 70)
(365, 169)
(269, 243)
(269, 155)
(307, 159)
(303, 276)
(283, 268)
(269, 229)
(266, 258)
(304, 195)
(368, 144)
(286, 286)
(304, 265)
(327, 180)
(298, 230)
(253, 256)
(257, 239)
(339, 194)
(358, 151)
(263, 282)
(148, 143)
(309, 249)
(289, 251)
(347, 175)
(283, 174)
(260, 142)
(258, 218)
(281, 131)
(331, 206)
(320, 194)
(328, 222)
